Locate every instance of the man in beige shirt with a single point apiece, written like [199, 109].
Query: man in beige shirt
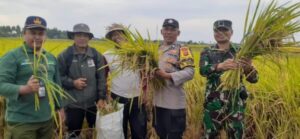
[169, 102]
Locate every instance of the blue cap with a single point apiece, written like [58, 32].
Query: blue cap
[35, 22]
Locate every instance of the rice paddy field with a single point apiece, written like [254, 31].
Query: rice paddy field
[273, 106]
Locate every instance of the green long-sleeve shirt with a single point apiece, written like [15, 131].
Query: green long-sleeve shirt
[15, 70]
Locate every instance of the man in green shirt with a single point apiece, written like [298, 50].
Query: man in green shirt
[19, 86]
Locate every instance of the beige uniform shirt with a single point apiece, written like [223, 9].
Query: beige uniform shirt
[172, 96]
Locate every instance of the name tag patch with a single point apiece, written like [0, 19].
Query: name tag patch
[91, 63]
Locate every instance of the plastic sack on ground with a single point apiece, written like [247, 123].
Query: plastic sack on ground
[109, 126]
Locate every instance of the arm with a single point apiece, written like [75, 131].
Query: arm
[182, 76]
[8, 71]
[207, 68]
[252, 77]
[101, 77]
[66, 81]
[57, 81]
[249, 71]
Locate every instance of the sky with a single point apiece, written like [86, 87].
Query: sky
[195, 17]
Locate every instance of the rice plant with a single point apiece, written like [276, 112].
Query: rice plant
[273, 107]
[273, 27]
[194, 108]
[54, 92]
[141, 56]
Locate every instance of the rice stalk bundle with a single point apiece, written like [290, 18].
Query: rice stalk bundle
[140, 55]
[54, 92]
[110, 107]
[270, 29]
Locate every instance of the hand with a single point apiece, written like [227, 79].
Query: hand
[246, 64]
[62, 114]
[163, 74]
[80, 83]
[32, 86]
[101, 103]
[146, 99]
[109, 98]
[228, 64]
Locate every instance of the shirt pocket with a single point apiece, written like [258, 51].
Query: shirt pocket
[51, 69]
[25, 69]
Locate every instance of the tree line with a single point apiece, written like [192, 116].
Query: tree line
[54, 33]
[16, 31]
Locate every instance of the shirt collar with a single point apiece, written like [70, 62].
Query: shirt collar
[89, 51]
[232, 47]
[31, 50]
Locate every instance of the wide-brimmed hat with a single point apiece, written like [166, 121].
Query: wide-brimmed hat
[80, 28]
[114, 27]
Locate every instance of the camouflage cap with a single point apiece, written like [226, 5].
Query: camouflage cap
[224, 23]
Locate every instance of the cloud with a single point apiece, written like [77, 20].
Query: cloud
[195, 16]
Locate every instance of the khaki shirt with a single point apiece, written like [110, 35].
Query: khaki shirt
[172, 96]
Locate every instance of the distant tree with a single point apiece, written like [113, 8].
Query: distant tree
[16, 31]
[189, 42]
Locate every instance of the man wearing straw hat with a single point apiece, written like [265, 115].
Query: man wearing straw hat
[19, 87]
[79, 68]
[176, 66]
[126, 88]
[222, 110]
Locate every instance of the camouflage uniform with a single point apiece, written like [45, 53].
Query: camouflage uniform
[221, 108]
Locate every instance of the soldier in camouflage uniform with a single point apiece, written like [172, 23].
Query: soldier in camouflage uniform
[224, 110]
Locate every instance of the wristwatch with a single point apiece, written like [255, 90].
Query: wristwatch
[213, 67]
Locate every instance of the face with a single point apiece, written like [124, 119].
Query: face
[35, 37]
[81, 40]
[170, 34]
[117, 36]
[222, 35]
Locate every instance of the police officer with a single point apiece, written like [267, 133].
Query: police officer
[18, 85]
[224, 109]
[176, 66]
[79, 68]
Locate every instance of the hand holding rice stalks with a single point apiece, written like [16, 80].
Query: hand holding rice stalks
[140, 55]
[271, 29]
[53, 91]
[110, 107]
